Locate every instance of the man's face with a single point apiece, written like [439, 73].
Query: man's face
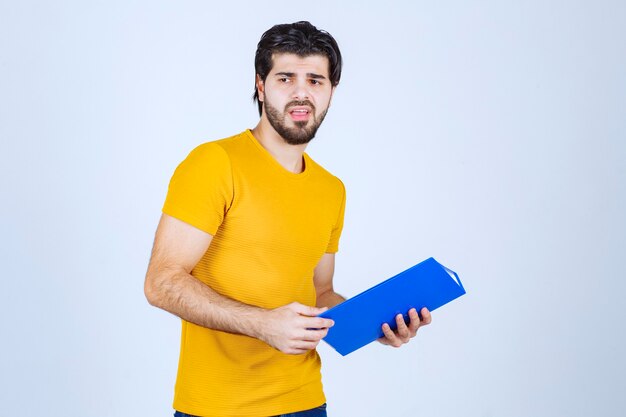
[296, 95]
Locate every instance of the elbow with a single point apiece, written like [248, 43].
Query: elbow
[150, 291]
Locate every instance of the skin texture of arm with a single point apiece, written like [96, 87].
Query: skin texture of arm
[323, 280]
[170, 286]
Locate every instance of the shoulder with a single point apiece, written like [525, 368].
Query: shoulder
[214, 152]
[215, 148]
[207, 151]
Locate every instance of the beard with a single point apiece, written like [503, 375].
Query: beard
[300, 134]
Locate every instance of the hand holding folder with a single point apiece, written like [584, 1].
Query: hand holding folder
[406, 329]
[359, 320]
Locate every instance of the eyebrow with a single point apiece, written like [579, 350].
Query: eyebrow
[308, 74]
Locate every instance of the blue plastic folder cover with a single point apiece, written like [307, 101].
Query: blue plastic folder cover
[358, 320]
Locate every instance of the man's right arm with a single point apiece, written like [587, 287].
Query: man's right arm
[169, 285]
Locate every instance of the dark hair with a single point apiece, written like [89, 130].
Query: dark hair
[300, 38]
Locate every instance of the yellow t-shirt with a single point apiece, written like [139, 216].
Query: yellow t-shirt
[270, 228]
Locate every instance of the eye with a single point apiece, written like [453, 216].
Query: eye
[283, 80]
[315, 82]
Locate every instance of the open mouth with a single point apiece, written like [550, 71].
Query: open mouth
[299, 113]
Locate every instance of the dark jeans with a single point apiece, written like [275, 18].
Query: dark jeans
[313, 412]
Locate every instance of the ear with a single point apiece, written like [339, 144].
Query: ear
[260, 87]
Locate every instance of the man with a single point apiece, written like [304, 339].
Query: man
[245, 249]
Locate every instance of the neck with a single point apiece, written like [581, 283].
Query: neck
[289, 156]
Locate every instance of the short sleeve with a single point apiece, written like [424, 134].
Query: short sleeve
[201, 189]
[333, 244]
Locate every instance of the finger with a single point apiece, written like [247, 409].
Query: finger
[426, 317]
[294, 351]
[391, 337]
[403, 332]
[415, 321]
[317, 322]
[314, 335]
[307, 310]
[304, 345]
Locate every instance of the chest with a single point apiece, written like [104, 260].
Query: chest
[294, 214]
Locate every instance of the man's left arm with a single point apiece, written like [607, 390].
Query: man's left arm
[323, 280]
[327, 297]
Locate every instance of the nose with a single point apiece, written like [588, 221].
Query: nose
[300, 90]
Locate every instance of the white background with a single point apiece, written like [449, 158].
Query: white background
[488, 134]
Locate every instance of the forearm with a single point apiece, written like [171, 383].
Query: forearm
[192, 300]
[293, 328]
[329, 299]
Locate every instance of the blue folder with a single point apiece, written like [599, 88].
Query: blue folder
[358, 320]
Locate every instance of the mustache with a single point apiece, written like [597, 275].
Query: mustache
[296, 103]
